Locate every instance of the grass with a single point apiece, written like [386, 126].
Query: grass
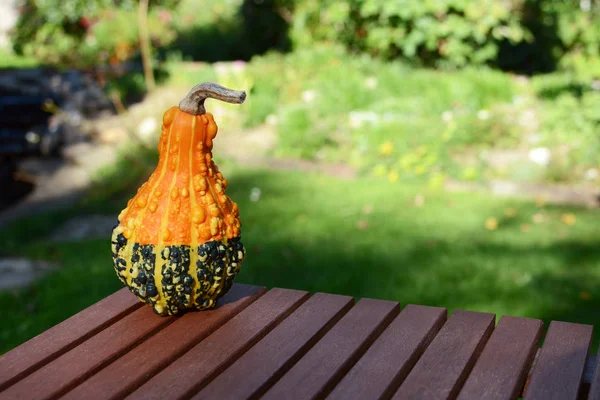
[9, 60]
[366, 238]
[386, 118]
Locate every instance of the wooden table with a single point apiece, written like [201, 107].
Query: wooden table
[287, 344]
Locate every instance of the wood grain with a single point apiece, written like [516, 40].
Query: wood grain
[192, 371]
[134, 368]
[388, 361]
[253, 373]
[68, 370]
[444, 366]
[502, 367]
[40, 350]
[558, 371]
[315, 374]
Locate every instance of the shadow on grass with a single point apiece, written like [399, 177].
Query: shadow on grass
[565, 87]
[407, 262]
[302, 234]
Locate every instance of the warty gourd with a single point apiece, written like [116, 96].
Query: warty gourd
[177, 244]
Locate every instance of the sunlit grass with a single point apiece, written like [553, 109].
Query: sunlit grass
[8, 59]
[366, 238]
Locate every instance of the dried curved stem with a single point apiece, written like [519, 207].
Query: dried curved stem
[193, 103]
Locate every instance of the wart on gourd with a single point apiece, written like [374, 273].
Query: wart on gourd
[177, 245]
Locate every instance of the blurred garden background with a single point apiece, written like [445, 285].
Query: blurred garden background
[431, 152]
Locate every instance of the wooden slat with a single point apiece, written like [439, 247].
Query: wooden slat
[188, 374]
[31, 355]
[132, 370]
[559, 368]
[594, 393]
[588, 377]
[502, 367]
[73, 367]
[253, 373]
[391, 357]
[444, 366]
[315, 374]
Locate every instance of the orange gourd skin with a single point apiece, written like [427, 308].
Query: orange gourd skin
[177, 245]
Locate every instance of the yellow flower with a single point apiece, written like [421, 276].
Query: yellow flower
[387, 148]
[524, 228]
[491, 223]
[393, 176]
[568, 219]
[510, 212]
[540, 201]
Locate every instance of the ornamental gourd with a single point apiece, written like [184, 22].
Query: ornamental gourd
[177, 245]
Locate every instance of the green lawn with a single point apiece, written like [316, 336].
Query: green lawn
[365, 238]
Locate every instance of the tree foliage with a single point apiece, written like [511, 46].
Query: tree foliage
[514, 34]
[82, 33]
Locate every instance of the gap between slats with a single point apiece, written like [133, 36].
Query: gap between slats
[448, 360]
[70, 369]
[387, 362]
[46, 347]
[134, 368]
[261, 366]
[591, 364]
[588, 375]
[194, 369]
[57, 378]
[586, 379]
[322, 367]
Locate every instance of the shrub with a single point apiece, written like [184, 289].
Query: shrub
[431, 32]
[526, 36]
[84, 33]
[569, 123]
[381, 117]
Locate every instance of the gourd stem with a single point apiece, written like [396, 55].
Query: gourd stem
[193, 103]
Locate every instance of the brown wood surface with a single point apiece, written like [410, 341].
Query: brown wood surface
[386, 363]
[134, 368]
[59, 339]
[445, 364]
[502, 367]
[288, 345]
[559, 368]
[60, 375]
[188, 374]
[315, 374]
[594, 393]
[253, 373]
